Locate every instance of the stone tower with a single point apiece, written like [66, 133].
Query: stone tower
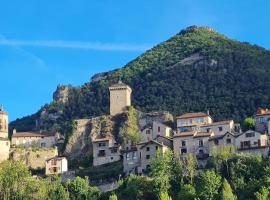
[4, 141]
[120, 98]
[3, 123]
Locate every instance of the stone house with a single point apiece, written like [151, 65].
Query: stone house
[56, 165]
[147, 152]
[34, 139]
[262, 120]
[151, 131]
[192, 142]
[138, 158]
[218, 141]
[105, 150]
[192, 121]
[219, 128]
[252, 142]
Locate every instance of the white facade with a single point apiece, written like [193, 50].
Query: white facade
[219, 128]
[56, 165]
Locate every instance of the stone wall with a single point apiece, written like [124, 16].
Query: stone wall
[33, 158]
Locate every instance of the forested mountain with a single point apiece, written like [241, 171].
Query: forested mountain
[198, 69]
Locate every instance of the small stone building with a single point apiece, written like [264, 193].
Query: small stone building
[56, 165]
[105, 150]
[34, 139]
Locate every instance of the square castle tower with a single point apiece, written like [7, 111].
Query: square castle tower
[120, 98]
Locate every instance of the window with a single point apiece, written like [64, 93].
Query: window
[147, 131]
[208, 130]
[183, 151]
[156, 147]
[228, 141]
[200, 143]
[220, 128]
[216, 142]
[250, 134]
[103, 144]
[158, 129]
[128, 156]
[183, 143]
[111, 158]
[134, 155]
[261, 120]
[190, 121]
[114, 150]
[101, 153]
[147, 157]
[43, 144]
[147, 148]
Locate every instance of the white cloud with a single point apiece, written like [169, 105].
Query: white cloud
[75, 45]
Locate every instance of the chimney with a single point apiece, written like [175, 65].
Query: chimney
[14, 131]
[208, 113]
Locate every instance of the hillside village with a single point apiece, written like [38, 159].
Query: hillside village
[192, 133]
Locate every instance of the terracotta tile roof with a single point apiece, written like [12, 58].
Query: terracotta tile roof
[184, 134]
[102, 139]
[192, 115]
[218, 123]
[33, 134]
[150, 142]
[56, 158]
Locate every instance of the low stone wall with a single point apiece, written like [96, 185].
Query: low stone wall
[33, 158]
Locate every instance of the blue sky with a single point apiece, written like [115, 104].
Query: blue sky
[46, 43]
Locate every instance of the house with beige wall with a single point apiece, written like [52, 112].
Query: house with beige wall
[219, 128]
[33, 139]
[155, 129]
[252, 142]
[192, 142]
[217, 142]
[262, 120]
[105, 150]
[56, 165]
[192, 121]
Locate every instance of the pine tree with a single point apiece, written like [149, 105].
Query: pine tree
[113, 197]
[227, 193]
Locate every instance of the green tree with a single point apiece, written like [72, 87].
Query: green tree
[226, 192]
[189, 164]
[208, 185]
[79, 189]
[249, 123]
[263, 194]
[113, 197]
[164, 196]
[187, 192]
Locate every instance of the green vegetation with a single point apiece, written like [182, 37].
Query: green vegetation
[249, 123]
[16, 182]
[129, 129]
[104, 172]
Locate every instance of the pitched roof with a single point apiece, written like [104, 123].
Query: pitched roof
[149, 142]
[218, 137]
[218, 123]
[56, 158]
[107, 138]
[184, 134]
[192, 115]
[33, 134]
[119, 84]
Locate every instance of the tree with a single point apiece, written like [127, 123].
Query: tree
[226, 192]
[113, 197]
[79, 189]
[189, 164]
[263, 194]
[208, 185]
[165, 196]
[249, 123]
[187, 192]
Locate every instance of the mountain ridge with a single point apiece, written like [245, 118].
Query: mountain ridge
[195, 70]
